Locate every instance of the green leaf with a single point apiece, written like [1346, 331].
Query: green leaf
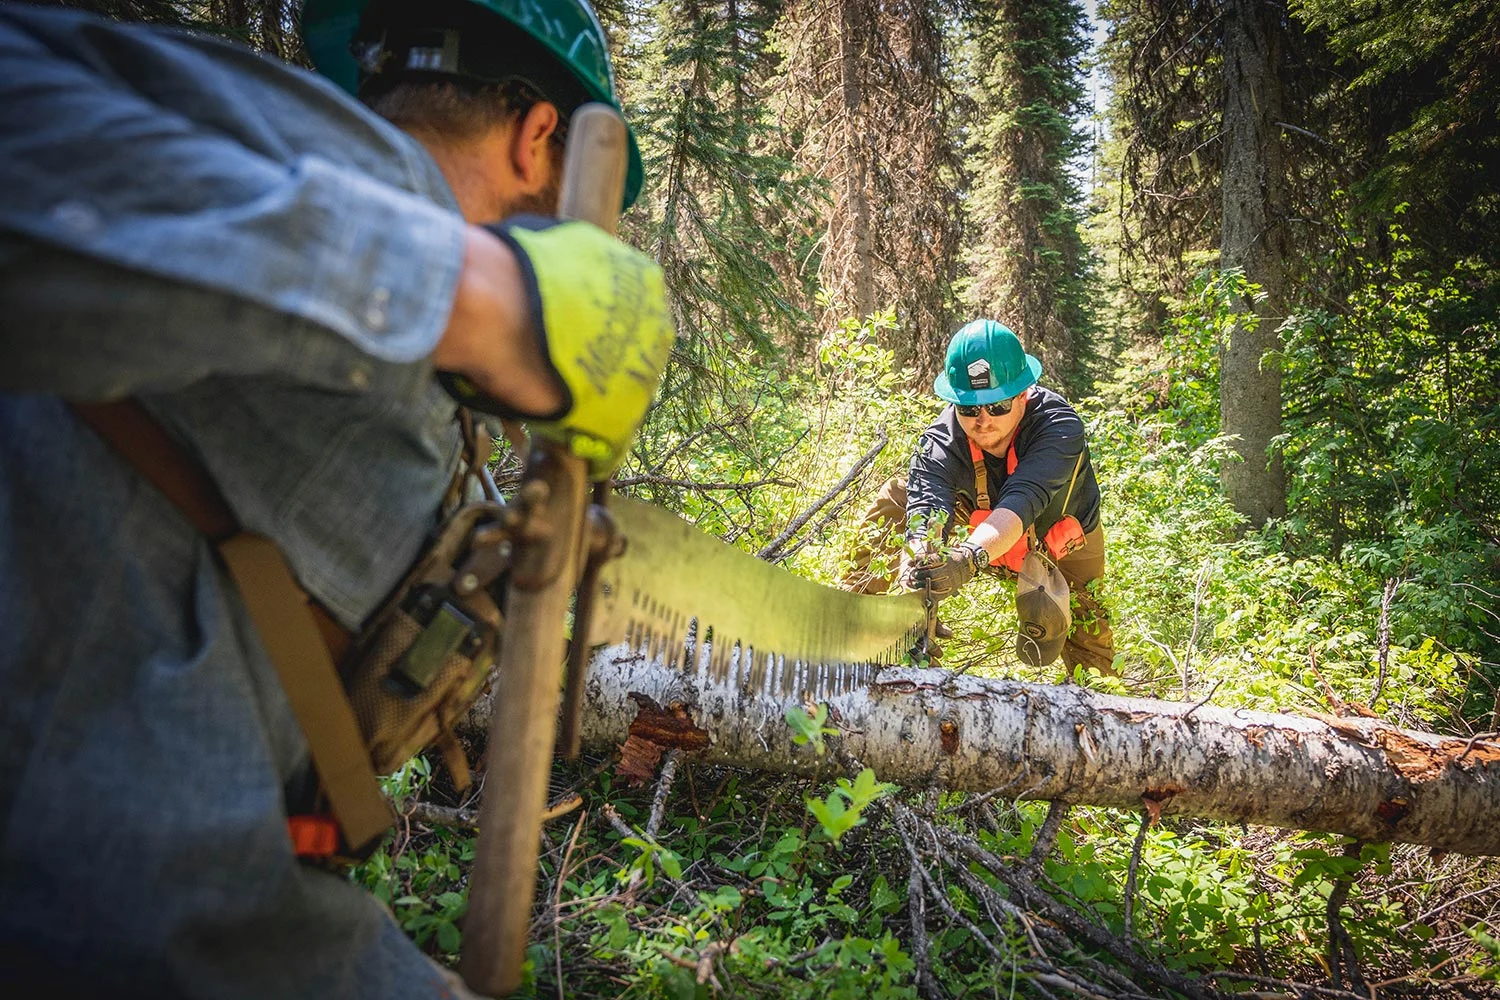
[882, 897]
[619, 932]
[681, 984]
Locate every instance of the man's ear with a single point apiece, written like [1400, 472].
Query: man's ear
[530, 148]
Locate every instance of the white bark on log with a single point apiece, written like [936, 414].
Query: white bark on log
[1354, 776]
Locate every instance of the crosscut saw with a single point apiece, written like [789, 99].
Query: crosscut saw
[657, 584]
[643, 576]
[697, 604]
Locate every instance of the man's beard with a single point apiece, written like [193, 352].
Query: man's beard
[544, 202]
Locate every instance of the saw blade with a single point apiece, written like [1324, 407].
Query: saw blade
[688, 599]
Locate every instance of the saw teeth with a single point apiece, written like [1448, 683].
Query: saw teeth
[672, 639]
[700, 607]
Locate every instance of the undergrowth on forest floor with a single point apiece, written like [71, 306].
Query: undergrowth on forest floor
[752, 885]
[758, 899]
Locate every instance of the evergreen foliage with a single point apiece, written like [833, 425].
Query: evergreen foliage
[719, 183]
[1025, 256]
[1420, 77]
[866, 96]
[268, 25]
[716, 184]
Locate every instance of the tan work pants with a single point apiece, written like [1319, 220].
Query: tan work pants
[881, 558]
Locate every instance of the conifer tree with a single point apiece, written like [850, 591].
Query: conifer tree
[1164, 59]
[1253, 241]
[715, 182]
[1420, 115]
[864, 88]
[1026, 257]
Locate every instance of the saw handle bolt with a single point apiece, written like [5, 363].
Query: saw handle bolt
[539, 562]
[490, 550]
[604, 539]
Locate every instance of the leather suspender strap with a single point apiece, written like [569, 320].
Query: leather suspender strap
[139, 439]
[283, 615]
[981, 478]
[279, 609]
[1071, 482]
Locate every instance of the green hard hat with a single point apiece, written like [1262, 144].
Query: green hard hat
[985, 364]
[565, 29]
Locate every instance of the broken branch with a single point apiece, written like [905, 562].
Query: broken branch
[772, 549]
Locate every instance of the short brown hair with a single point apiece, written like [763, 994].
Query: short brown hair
[455, 109]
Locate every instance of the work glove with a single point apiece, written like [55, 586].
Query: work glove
[600, 311]
[956, 568]
[917, 553]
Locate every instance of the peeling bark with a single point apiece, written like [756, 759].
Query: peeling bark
[653, 731]
[1354, 776]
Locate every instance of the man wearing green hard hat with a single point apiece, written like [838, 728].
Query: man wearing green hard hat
[1008, 460]
[242, 309]
[492, 50]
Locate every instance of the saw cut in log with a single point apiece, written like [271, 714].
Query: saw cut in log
[1354, 776]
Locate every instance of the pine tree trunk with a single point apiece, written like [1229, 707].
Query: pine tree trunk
[1027, 253]
[1253, 239]
[1353, 776]
[857, 208]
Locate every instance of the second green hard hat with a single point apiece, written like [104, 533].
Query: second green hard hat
[566, 30]
[985, 364]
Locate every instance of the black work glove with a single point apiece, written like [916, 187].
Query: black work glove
[957, 568]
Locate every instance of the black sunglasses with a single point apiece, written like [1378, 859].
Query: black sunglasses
[999, 409]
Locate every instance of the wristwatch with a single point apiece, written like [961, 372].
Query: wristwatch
[978, 557]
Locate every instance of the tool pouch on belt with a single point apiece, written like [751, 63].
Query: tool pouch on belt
[422, 659]
[1063, 537]
[408, 676]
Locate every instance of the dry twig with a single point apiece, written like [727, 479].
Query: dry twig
[1078, 927]
[1046, 836]
[704, 487]
[1384, 644]
[1202, 701]
[1135, 863]
[772, 551]
[663, 787]
[921, 947]
[1340, 945]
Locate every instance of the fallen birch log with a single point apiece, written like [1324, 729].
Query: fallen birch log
[1354, 776]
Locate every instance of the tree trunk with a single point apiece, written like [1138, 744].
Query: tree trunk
[863, 101]
[1027, 255]
[856, 209]
[1353, 776]
[1254, 240]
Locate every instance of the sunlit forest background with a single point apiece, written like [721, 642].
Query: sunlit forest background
[1256, 245]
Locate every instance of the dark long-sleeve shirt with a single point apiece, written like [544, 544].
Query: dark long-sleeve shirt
[1048, 442]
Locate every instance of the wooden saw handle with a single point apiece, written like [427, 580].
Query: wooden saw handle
[523, 727]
